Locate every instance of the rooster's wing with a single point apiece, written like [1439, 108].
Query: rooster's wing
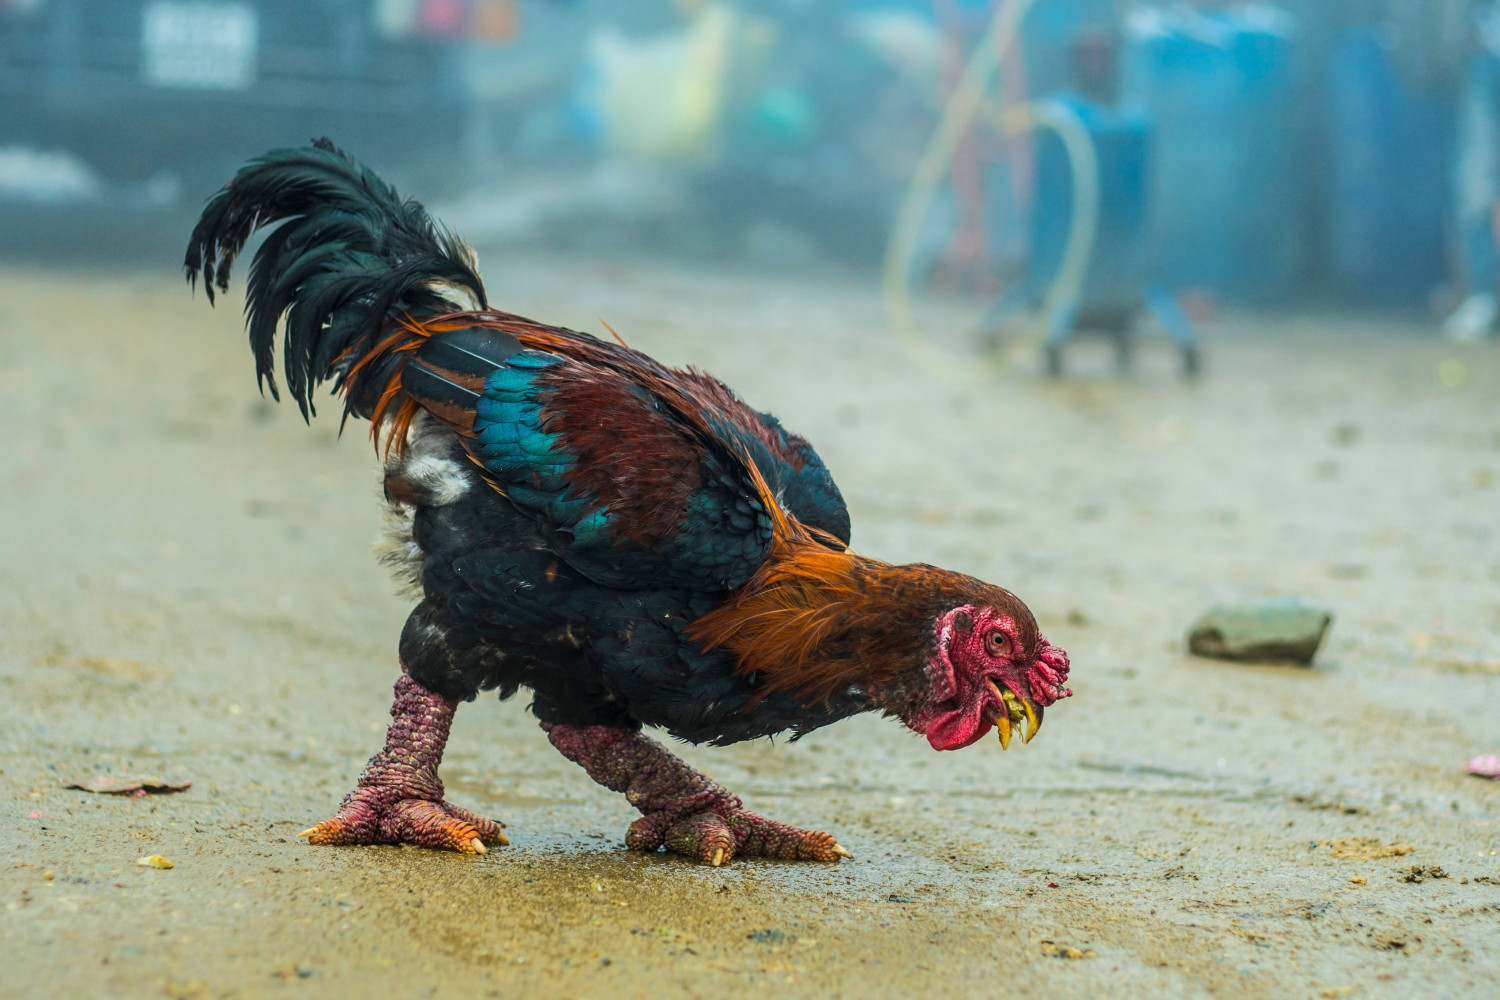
[638, 474]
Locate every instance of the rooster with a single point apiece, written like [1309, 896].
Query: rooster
[632, 543]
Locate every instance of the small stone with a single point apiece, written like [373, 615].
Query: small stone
[154, 861]
[1281, 631]
[294, 970]
[1421, 873]
[1056, 949]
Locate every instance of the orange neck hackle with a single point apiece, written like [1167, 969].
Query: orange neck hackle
[816, 617]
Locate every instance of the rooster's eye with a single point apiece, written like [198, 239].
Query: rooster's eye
[997, 644]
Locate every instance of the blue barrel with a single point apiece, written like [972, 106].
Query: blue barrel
[1116, 276]
[1219, 86]
[1391, 150]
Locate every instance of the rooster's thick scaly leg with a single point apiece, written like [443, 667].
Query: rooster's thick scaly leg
[399, 798]
[683, 810]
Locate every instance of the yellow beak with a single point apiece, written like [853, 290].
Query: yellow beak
[1033, 720]
[1015, 711]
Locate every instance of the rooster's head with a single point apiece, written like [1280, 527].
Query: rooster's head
[988, 666]
[948, 655]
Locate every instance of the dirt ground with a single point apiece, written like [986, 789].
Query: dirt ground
[187, 589]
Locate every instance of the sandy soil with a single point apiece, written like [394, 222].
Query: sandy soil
[186, 588]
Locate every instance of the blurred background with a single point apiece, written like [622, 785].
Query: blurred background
[1329, 152]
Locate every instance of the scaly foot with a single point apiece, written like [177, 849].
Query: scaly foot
[683, 810]
[399, 798]
[384, 815]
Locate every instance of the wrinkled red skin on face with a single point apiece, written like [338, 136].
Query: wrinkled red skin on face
[963, 705]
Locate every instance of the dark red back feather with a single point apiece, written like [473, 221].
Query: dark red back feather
[645, 485]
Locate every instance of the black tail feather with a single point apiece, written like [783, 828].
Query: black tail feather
[350, 259]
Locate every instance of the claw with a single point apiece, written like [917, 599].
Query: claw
[1033, 719]
[839, 850]
[308, 832]
[477, 846]
[718, 858]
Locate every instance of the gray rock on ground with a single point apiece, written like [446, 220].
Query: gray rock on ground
[1279, 631]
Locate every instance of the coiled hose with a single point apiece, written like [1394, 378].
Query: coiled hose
[962, 109]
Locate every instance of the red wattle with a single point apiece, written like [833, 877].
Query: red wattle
[958, 729]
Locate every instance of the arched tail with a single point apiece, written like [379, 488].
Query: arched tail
[350, 265]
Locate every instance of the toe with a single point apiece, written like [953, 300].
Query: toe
[814, 845]
[428, 824]
[769, 839]
[704, 837]
[324, 833]
[339, 831]
[456, 835]
[489, 831]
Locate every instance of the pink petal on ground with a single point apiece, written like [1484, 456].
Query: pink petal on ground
[1485, 767]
